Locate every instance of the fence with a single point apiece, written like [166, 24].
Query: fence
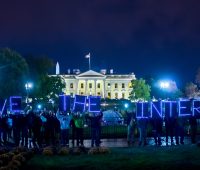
[118, 129]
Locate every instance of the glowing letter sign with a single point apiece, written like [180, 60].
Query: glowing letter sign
[94, 103]
[196, 108]
[156, 109]
[170, 108]
[64, 103]
[3, 106]
[184, 108]
[142, 110]
[15, 103]
[79, 103]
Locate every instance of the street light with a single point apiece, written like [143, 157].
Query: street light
[28, 86]
[126, 105]
[39, 106]
[165, 86]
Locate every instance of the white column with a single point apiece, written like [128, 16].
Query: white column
[86, 83]
[104, 90]
[95, 87]
[77, 89]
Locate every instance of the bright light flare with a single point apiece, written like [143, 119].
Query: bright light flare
[164, 85]
[28, 85]
[126, 105]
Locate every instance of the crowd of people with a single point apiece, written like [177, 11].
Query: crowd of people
[173, 128]
[44, 128]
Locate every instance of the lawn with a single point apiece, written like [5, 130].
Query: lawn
[150, 157]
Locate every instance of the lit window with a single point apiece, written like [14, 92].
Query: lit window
[71, 85]
[109, 95]
[116, 85]
[90, 85]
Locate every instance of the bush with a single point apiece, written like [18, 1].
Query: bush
[47, 151]
[100, 150]
[64, 151]
[76, 151]
[19, 158]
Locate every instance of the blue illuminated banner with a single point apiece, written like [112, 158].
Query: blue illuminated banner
[3, 106]
[94, 103]
[168, 109]
[156, 109]
[79, 103]
[15, 104]
[64, 103]
[184, 108]
[142, 110]
[196, 108]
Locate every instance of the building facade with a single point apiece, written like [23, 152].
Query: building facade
[98, 84]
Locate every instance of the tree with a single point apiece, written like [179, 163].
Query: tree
[191, 90]
[50, 87]
[140, 91]
[197, 79]
[47, 88]
[175, 94]
[172, 92]
[13, 73]
[158, 92]
[40, 65]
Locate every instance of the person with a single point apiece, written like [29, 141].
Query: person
[180, 123]
[64, 119]
[193, 128]
[95, 123]
[24, 128]
[3, 129]
[43, 131]
[79, 125]
[142, 126]
[56, 128]
[131, 122]
[37, 135]
[169, 128]
[157, 130]
[73, 127]
[49, 128]
[29, 121]
[10, 126]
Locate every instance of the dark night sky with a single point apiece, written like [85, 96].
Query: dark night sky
[159, 38]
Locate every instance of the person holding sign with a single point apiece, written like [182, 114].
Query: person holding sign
[64, 119]
[132, 125]
[79, 125]
[95, 123]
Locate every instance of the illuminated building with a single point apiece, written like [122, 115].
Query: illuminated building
[106, 85]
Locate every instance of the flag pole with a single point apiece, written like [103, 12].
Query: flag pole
[88, 56]
[89, 62]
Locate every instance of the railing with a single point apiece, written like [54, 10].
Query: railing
[116, 129]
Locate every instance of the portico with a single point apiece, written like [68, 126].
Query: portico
[111, 86]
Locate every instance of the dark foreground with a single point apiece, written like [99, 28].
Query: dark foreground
[149, 157]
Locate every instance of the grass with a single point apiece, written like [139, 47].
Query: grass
[150, 157]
